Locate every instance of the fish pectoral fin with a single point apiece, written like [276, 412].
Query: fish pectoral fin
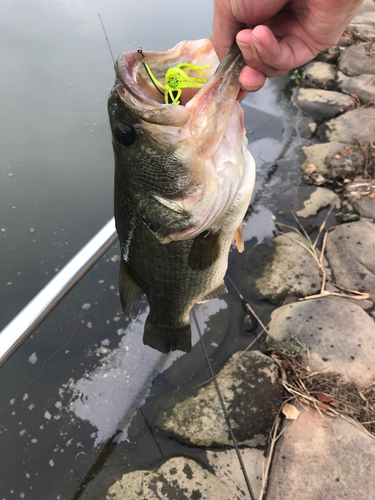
[166, 339]
[239, 239]
[130, 293]
[220, 290]
[205, 250]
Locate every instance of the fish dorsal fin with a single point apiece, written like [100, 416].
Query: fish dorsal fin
[205, 250]
[220, 290]
[130, 293]
[239, 238]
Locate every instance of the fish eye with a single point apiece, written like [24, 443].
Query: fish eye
[125, 135]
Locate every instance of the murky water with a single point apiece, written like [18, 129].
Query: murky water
[82, 376]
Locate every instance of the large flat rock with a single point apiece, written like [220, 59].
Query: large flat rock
[181, 478]
[334, 159]
[355, 125]
[358, 59]
[351, 255]
[178, 478]
[280, 268]
[322, 458]
[252, 393]
[330, 333]
[321, 104]
[363, 86]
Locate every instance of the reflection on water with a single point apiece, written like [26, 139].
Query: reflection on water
[67, 388]
[109, 396]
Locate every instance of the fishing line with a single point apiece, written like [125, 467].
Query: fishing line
[105, 34]
[58, 350]
[224, 409]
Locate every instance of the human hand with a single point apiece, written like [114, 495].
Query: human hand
[276, 36]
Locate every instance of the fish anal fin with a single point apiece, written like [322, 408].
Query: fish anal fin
[166, 339]
[205, 250]
[220, 290]
[130, 293]
[239, 239]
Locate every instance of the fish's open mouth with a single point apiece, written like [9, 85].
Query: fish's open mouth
[132, 72]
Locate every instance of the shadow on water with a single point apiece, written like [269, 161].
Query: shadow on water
[79, 396]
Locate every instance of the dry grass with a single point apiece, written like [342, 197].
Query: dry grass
[326, 392]
[311, 247]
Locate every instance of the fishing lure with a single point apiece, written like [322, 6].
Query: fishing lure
[177, 79]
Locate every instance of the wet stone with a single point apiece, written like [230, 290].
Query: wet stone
[252, 392]
[355, 125]
[320, 74]
[319, 199]
[363, 86]
[330, 333]
[338, 463]
[178, 478]
[365, 207]
[321, 104]
[329, 55]
[280, 268]
[228, 470]
[350, 251]
[305, 126]
[358, 59]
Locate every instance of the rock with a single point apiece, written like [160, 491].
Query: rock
[318, 155]
[321, 104]
[350, 251]
[253, 395]
[228, 470]
[330, 334]
[305, 126]
[363, 86]
[365, 206]
[319, 199]
[185, 479]
[281, 268]
[355, 125]
[178, 478]
[333, 159]
[364, 21]
[320, 74]
[322, 458]
[358, 59]
[329, 55]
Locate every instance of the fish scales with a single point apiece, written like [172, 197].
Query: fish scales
[183, 182]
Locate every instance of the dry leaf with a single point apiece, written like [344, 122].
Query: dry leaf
[290, 411]
[310, 168]
[322, 396]
[372, 196]
[346, 152]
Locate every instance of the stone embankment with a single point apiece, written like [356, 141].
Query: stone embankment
[303, 411]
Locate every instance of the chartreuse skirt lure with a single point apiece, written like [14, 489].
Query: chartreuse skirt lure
[177, 79]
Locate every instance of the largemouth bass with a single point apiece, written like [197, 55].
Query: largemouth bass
[183, 182]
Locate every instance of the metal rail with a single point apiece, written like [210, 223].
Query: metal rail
[17, 331]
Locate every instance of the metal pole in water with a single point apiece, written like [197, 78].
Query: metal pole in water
[17, 331]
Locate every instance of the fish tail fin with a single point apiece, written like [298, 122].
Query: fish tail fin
[166, 339]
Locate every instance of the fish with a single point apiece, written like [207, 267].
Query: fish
[183, 183]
